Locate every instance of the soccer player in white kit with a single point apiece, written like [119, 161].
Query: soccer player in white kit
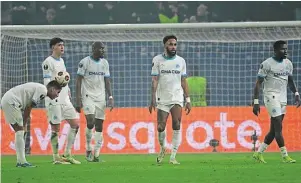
[276, 73]
[60, 108]
[23, 98]
[93, 81]
[169, 87]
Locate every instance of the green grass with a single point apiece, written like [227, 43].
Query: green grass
[198, 168]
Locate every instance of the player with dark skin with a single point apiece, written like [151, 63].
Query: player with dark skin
[280, 51]
[170, 51]
[98, 52]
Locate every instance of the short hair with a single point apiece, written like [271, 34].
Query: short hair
[278, 43]
[166, 38]
[54, 84]
[54, 41]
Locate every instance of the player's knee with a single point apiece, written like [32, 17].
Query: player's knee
[90, 126]
[278, 135]
[161, 127]
[74, 123]
[98, 125]
[55, 128]
[176, 124]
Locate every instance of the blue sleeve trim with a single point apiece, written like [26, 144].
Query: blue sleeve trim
[154, 74]
[107, 76]
[184, 74]
[261, 76]
[46, 76]
[80, 74]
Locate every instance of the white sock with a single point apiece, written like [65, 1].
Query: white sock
[161, 138]
[283, 151]
[98, 143]
[20, 146]
[70, 140]
[88, 139]
[262, 147]
[175, 143]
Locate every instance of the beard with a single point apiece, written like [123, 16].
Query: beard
[171, 53]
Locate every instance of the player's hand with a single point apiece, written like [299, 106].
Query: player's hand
[256, 109]
[297, 99]
[77, 108]
[152, 106]
[111, 104]
[187, 108]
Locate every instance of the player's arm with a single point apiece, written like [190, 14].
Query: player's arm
[184, 85]
[154, 87]
[47, 73]
[108, 86]
[107, 80]
[155, 80]
[258, 83]
[27, 112]
[80, 76]
[78, 91]
[34, 102]
[291, 83]
[292, 86]
[262, 73]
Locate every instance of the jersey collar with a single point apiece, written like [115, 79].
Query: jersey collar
[168, 58]
[277, 60]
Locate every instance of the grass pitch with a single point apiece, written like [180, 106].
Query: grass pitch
[194, 168]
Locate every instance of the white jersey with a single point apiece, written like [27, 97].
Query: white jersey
[170, 72]
[26, 94]
[93, 72]
[51, 66]
[275, 74]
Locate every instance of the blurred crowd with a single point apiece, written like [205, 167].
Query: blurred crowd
[85, 12]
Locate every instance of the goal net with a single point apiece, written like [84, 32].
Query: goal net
[224, 57]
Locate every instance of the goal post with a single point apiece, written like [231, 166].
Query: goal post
[225, 55]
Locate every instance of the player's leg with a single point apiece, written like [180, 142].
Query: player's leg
[99, 119]
[89, 133]
[278, 135]
[274, 109]
[162, 115]
[267, 141]
[176, 114]
[89, 111]
[268, 138]
[13, 116]
[72, 117]
[54, 119]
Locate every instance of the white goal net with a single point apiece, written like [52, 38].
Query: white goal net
[227, 55]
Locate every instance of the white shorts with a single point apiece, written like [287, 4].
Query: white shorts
[94, 107]
[57, 113]
[12, 111]
[167, 107]
[274, 106]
